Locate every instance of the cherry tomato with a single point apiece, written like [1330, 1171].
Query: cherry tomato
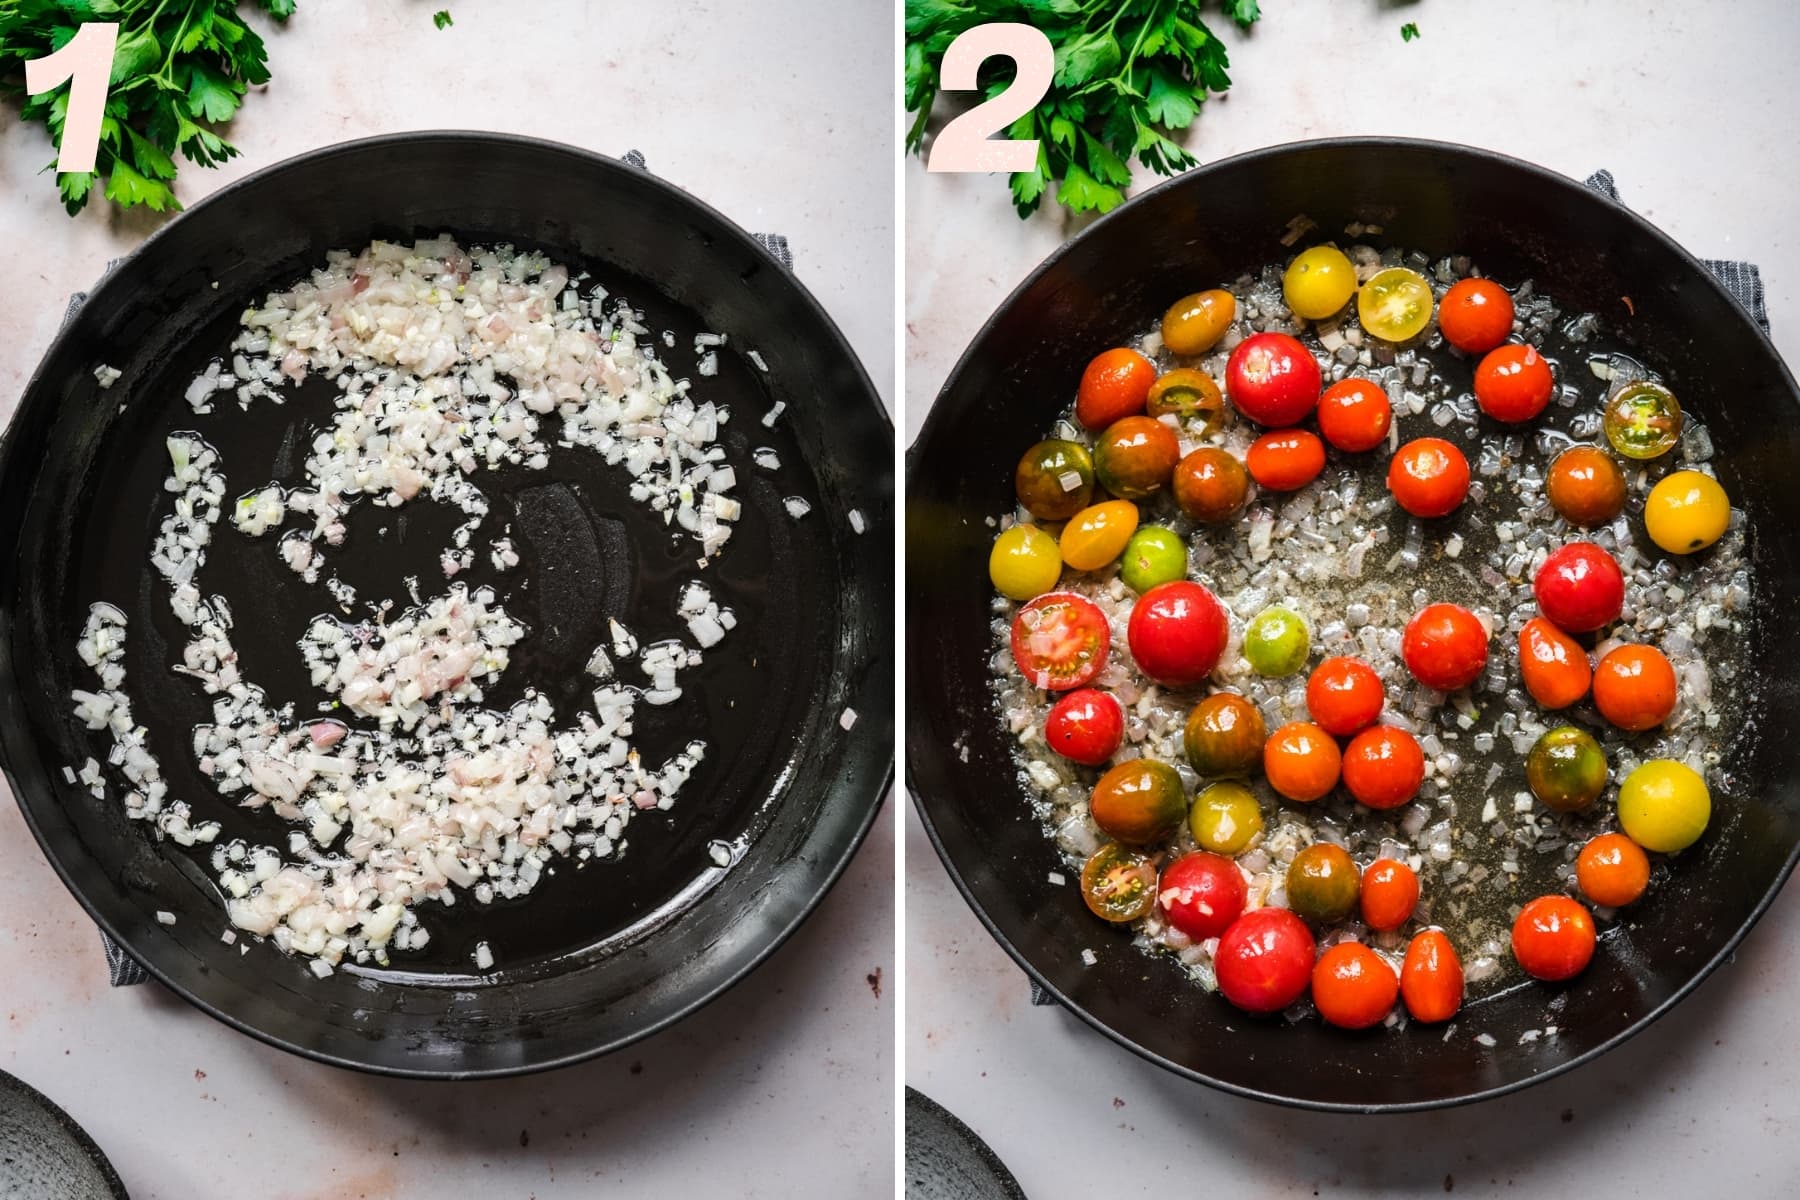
[1224, 735]
[1353, 986]
[1301, 761]
[1513, 383]
[1634, 687]
[1383, 766]
[1394, 304]
[1431, 978]
[1060, 641]
[1201, 894]
[1272, 379]
[1114, 386]
[1664, 806]
[1553, 664]
[1138, 802]
[1445, 647]
[1390, 892]
[1322, 883]
[1612, 871]
[1177, 633]
[1354, 415]
[1085, 726]
[1344, 695]
[1210, 485]
[1277, 641]
[1566, 769]
[1475, 315]
[1055, 479]
[1135, 457]
[1194, 324]
[1155, 554]
[1265, 960]
[1641, 419]
[1285, 460]
[1686, 511]
[1318, 283]
[1429, 477]
[1580, 587]
[1118, 883]
[1098, 534]
[1586, 486]
[1024, 562]
[1187, 394]
[1553, 938]
[1225, 818]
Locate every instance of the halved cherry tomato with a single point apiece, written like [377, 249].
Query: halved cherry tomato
[1431, 978]
[1060, 641]
[1301, 761]
[1085, 726]
[1586, 486]
[1177, 632]
[1139, 802]
[1580, 587]
[1390, 892]
[1265, 960]
[1513, 383]
[1445, 647]
[1202, 894]
[1394, 304]
[1118, 883]
[1186, 394]
[1135, 457]
[1354, 415]
[1344, 695]
[1612, 870]
[1553, 938]
[1115, 385]
[1285, 460]
[1429, 477]
[1383, 766]
[1210, 485]
[1272, 379]
[1475, 315]
[1353, 986]
[1553, 664]
[1634, 687]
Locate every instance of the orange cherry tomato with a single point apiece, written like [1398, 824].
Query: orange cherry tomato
[1475, 315]
[1286, 460]
[1354, 415]
[1634, 687]
[1344, 695]
[1115, 385]
[1301, 761]
[1383, 766]
[1429, 477]
[1390, 892]
[1553, 938]
[1554, 665]
[1431, 978]
[1353, 987]
[1586, 486]
[1612, 870]
[1513, 383]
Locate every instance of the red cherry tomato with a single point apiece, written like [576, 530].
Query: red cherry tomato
[1513, 383]
[1553, 938]
[1265, 960]
[1272, 379]
[1383, 766]
[1202, 894]
[1354, 415]
[1580, 588]
[1353, 987]
[1390, 892]
[1344, 695]
[1115, 385]
[1285, 460]
[1429, 477]
[1445, 647]
[1060, 641]
[1476, 315]
[1085, 726]
[1431, 978]
[1553, 664]
[1177, 632]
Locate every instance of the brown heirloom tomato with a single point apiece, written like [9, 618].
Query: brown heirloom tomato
[1586, 486]
[1322, 883]
[1139, 802]
[1135, 457]
[1210, 485]
[1224, 735]
[1055, 479]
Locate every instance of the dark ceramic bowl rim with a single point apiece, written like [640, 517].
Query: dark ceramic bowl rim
[70, 1126]
[933, 1111]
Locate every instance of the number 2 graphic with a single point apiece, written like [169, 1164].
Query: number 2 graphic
[965, 144]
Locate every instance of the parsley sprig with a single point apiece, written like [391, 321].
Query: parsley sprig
[180, 70]
[1128, 74]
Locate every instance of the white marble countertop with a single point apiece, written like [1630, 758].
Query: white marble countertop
[1683, 103]
[783, 1087]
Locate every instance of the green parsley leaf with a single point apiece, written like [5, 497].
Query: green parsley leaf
[1408, 32]
[441, 18]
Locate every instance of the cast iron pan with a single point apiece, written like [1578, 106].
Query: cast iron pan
[597, 956]
[1113, 280]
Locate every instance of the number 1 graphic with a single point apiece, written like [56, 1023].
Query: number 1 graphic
[86, 64]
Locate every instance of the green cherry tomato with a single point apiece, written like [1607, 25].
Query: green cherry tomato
[1118, 883]
[1642, 420]
[1277, 641]
[1025, 562]
[1323, 883]
[1055, 479]
[1566, 769]
[1154, 555]
[1224, 735]
[1225, 818]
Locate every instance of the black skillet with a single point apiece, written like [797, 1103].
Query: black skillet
[1113, 280]
[597, 956]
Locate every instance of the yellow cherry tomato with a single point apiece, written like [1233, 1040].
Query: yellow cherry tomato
[1318, 283]
[1097, 534]
[1687, 511]
[1225, 817]
[1024, 562]
[1194, 324]
[1664, 806]
[1395, 304]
